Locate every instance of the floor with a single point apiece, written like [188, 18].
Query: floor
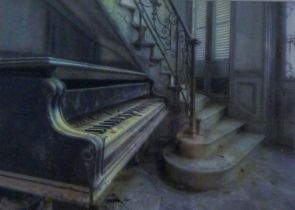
[268, 182]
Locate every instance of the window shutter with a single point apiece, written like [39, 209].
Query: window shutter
[222, 29]
[201, 27]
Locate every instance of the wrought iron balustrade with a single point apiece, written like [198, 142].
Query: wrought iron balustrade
[176, 45]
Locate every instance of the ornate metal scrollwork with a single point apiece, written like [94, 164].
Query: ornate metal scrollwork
[174, 41]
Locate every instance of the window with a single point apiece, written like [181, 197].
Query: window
[219, 27]
[222, 30]
[200, 26]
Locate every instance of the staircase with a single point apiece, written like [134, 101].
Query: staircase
[216, 155]
[165, 49]
[134, 30]
[152, 37]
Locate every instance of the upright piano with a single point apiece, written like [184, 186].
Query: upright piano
[67, 128]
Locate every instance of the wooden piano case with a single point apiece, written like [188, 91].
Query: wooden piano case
[41, 152]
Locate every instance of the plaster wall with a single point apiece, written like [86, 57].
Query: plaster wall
[55, 28]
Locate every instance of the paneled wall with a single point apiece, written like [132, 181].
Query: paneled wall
[75, 31]
[286, 82]
[253, 64]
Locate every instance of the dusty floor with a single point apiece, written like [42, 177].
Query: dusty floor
[268, 183]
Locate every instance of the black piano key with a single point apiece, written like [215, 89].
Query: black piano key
[103, 127]
[102, 130]
[125, 116]
[95, 130]
[116, 121]
[137, 110]
[129, 112]
[108, 124]
[112, 121]
[120, 119]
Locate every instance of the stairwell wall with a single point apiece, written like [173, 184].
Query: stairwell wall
[52, 28]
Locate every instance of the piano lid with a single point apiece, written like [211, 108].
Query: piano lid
[65, 69]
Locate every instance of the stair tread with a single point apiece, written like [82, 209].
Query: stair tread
[156, 60]
[144, 44]
[222, 128]
[200, 96]
[232, 155]
[138, 26]
[209, 111]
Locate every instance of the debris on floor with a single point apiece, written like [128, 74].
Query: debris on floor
[269, 184]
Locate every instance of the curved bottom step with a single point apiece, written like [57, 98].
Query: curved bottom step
[211, 172]
[216, 138]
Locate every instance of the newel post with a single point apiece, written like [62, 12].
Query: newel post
[192, 119]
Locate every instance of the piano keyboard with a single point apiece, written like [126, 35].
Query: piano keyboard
[118, 121]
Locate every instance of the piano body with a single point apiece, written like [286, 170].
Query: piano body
[67, 128]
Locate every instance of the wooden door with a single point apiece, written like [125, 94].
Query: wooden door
[252, 65]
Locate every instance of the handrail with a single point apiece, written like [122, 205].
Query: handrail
[176, 45]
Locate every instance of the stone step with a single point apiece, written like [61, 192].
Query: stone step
[224, 128]
[214, 171]
[209, 116]
[201, 101]
[129, 4]
[156, 56]
[149, 36]
[214, 138]
[139, 27]
[155, 60]
[144, 44]
[144, 50]
[139, 34]
[136, 18]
